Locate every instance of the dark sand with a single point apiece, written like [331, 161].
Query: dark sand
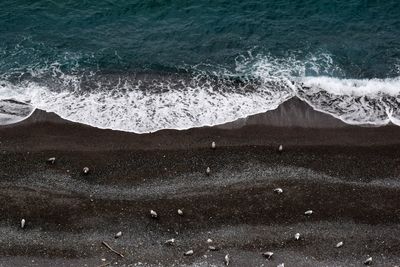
[349, 176]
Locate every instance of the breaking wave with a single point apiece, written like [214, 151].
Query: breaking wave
[201, 95]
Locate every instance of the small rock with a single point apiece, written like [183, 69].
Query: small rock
[227, 260]
[278, 190]
[340, 244]
[268, 254]
[180, 212]
[51, 160]
[103, 260]
[188, 253]
[297, 236]
[170, 241]
[212, 248]
[118, 235]
[208, 171]
[368, 261]
[209, 240]
[213, 145]
[281, 265]
[153, 214]
[23, 223]
[308, 212]
[86, 170]
[280, 148]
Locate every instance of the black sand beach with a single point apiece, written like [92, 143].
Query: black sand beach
[348, 175]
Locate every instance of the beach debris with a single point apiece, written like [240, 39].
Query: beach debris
[268, 254]
[209, 240]
[227, 260]
[278, 190]
[208, 171]
[51, 160]
[23, 223]
[340, 244]
[297, 236]
[153, 214]
[118, 235]
[308, 212]
[213, 145]
[180, 212]
[281, 265]
[212, 248]
[111, 249]
[86, 170]
[368, 261]
[280, 148]
[170, 241]
[188, 253]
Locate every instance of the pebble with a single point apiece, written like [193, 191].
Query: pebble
[212, 248]
[170, 241]
[208, 171]
[268, 254]
[280, 149]
[180, 212]
[278, 190]
[22, 223]
[188, 253]
[297, 236]
[209, 240]
[86, 170]
[368, 261]
[308, 212]
[213, 145]
[153, 214]
[340, 244]
[118, 235]
[51, 160]
[227, 260]
[281, 265]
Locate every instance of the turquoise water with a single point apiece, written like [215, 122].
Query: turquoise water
[363, 37]
[147, 56]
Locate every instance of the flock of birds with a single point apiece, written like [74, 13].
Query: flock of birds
[227, 260]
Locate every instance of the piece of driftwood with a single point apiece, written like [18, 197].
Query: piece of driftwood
[111, 249]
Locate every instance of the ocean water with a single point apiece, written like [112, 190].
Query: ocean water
[142, 66]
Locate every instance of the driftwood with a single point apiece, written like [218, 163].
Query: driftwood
[111, 249]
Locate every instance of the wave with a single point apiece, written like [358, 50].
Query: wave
[200, 95]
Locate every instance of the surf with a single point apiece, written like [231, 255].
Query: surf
[201, 95]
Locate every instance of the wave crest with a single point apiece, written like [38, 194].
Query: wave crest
[204, 95]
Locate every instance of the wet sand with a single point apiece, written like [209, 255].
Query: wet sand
[349, 176]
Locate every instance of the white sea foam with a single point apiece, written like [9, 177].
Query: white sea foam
[138, 111]
[363, 101]
[355, 87]
[176, 102]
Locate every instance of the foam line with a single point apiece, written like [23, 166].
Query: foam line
[147, 103]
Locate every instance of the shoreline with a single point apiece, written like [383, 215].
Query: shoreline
[348, 175]
[293, 123]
